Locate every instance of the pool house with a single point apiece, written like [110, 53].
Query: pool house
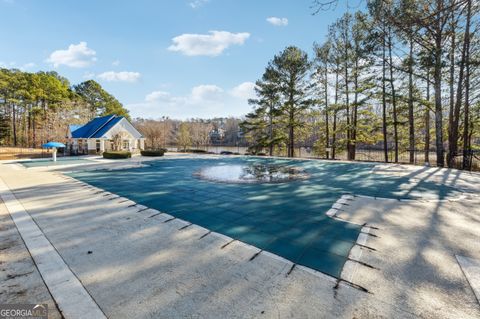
[104, 133]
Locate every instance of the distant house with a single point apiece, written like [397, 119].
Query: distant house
[104, 133]
[217, 135]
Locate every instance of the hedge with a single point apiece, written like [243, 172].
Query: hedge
[190, 150]
[117, 154]
[256, 154]
[152, 152]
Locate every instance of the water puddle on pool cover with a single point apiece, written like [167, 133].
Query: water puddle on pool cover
[254, 173]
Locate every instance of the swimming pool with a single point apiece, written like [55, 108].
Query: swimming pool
[286, 218]
[49, 162]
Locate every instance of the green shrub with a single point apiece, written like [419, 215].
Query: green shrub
[190, 150]
[117, 154]
[159, 152]
[196, 151]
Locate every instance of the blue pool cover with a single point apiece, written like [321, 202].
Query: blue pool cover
[48, 162]
[287, 219]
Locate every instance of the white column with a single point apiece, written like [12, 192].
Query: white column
[54, 154]
[102, 145]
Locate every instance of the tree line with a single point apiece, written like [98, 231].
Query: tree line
[197, 133]
[37, 107]
[400, 74]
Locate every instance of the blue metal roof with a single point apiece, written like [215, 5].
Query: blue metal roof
[74, 127]
[103, 130]
[93, 127]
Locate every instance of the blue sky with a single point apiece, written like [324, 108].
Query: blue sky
[177, 58]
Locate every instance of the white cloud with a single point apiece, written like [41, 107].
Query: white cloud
[76, 56]
[212, 44]
[199, 94]
[124, 76]
[116, 63]
[279, 22]
[88, 75]
[13, 65]
[197, 3]
[203, 101]
[7, 65]
[206, 92]
[27, 66]
[156, 96]
[245, 90]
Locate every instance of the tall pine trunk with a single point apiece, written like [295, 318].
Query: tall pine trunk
[347, 93]
[291, 150]
[394, 101]
[452, 123]
[384, 101]
[270, 131]
[454, 129]
[427, 121]
[14, 124]
[466, 121]
[354, 113]
[335, 111]
[411, 123]
[29, 128]
[437, 86]
[347, 105]
[327, 132]
[34, 131]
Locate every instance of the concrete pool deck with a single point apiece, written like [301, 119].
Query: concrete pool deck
[133, 264]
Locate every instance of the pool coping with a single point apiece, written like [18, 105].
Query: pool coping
[345, 279]
[471, 270]
[354, 255]
[71, 297]
[343, 200]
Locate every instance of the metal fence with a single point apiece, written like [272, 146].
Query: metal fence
[13, 153]
[420, 157]
[363, 153]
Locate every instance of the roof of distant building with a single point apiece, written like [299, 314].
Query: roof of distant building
[96, 128]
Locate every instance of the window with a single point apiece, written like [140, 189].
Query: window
[126, 144]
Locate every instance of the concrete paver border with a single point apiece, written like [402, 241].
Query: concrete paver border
[471, 269]
[343, 200]
[71, 297]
